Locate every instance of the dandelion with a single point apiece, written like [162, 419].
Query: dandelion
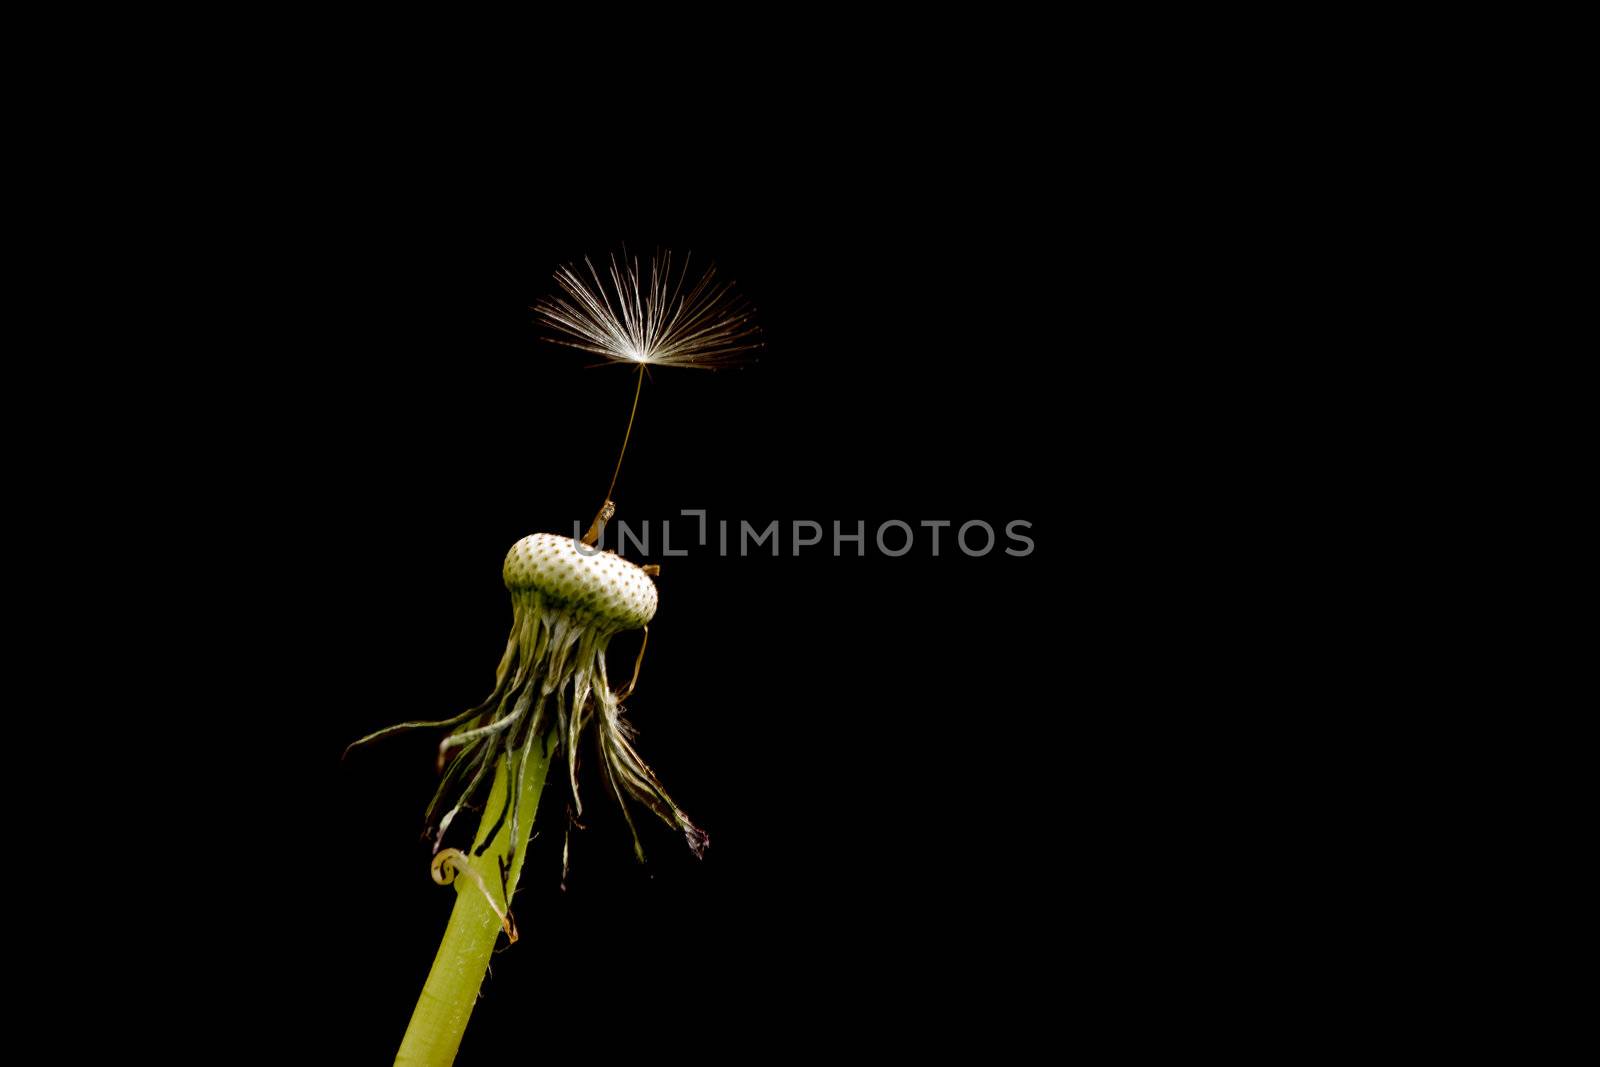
[552, 694]
[552, 687]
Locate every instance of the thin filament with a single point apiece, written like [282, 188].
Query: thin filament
[629, 433]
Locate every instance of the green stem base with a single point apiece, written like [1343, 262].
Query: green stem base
[451, 991]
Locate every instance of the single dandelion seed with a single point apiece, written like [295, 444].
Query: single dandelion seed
[669, 317]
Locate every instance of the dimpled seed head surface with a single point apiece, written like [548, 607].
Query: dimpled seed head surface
[591, 580]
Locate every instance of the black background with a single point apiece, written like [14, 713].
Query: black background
[914, 800]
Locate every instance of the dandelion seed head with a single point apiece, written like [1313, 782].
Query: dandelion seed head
[665, 314]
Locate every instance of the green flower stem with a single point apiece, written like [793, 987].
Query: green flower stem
[452, 988]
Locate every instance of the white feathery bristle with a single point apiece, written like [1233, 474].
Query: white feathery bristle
[665, 319]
